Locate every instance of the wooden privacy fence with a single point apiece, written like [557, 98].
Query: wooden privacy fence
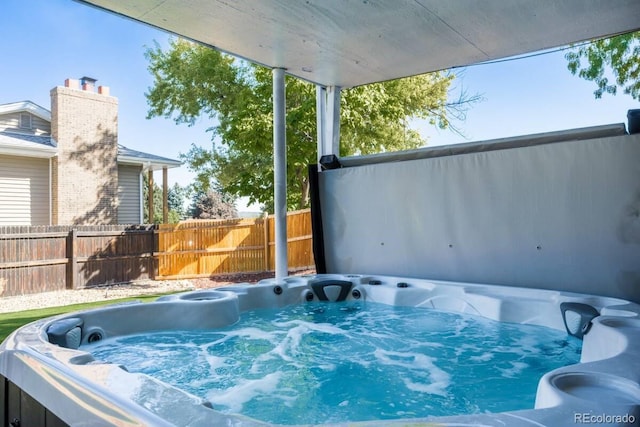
[49, 258]
[203, 248]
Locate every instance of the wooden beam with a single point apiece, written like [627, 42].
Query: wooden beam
[34, 263]
[165, 195]
[150, 196]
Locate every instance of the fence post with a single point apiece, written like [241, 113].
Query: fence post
[154, 249]
[72, 257]
[265, 222]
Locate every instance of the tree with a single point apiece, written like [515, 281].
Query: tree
[212, 205]
[192, 80]
[176, 197]
[620, 54]
[175, 201]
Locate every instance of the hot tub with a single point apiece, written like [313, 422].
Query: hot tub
[45, 366]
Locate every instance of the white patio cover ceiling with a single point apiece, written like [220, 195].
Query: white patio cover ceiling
[353, 42]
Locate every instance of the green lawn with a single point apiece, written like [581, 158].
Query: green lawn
[9, 322]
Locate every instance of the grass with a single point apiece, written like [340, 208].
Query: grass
[9, 322]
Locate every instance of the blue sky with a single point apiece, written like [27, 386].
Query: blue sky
[531, 95]
[47, 41]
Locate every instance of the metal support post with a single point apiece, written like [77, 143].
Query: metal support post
[328, 120]
[280, 173]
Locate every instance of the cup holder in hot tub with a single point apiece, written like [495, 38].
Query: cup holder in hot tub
[203, 296]
[598, 387]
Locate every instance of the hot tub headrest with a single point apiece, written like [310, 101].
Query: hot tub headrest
[66, 332]
[577, 317]
[331, 289]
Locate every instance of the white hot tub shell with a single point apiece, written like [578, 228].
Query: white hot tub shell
[603, 388]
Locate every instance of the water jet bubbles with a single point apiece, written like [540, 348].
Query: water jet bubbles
[351, 308]
[316, 310]
[351, 361]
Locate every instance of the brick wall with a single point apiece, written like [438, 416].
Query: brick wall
[85, 126]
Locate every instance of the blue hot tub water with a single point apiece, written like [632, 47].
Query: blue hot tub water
[352, 361]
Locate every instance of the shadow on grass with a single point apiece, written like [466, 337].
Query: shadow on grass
[9, 322]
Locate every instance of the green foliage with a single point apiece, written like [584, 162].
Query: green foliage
[620, 54]
[176, 197]
[192, 80]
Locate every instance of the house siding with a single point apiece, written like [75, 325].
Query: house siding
[11, 122]
[129, 194]
[24, 191]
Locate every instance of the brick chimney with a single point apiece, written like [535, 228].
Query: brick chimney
[85, 174]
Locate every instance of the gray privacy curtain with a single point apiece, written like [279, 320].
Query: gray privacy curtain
[562, 215]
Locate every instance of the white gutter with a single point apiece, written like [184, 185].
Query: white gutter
[328, 119]
[146, 163]
[43, 152]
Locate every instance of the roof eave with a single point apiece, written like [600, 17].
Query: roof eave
[148, 163]
[44, 152]
[26, 106]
